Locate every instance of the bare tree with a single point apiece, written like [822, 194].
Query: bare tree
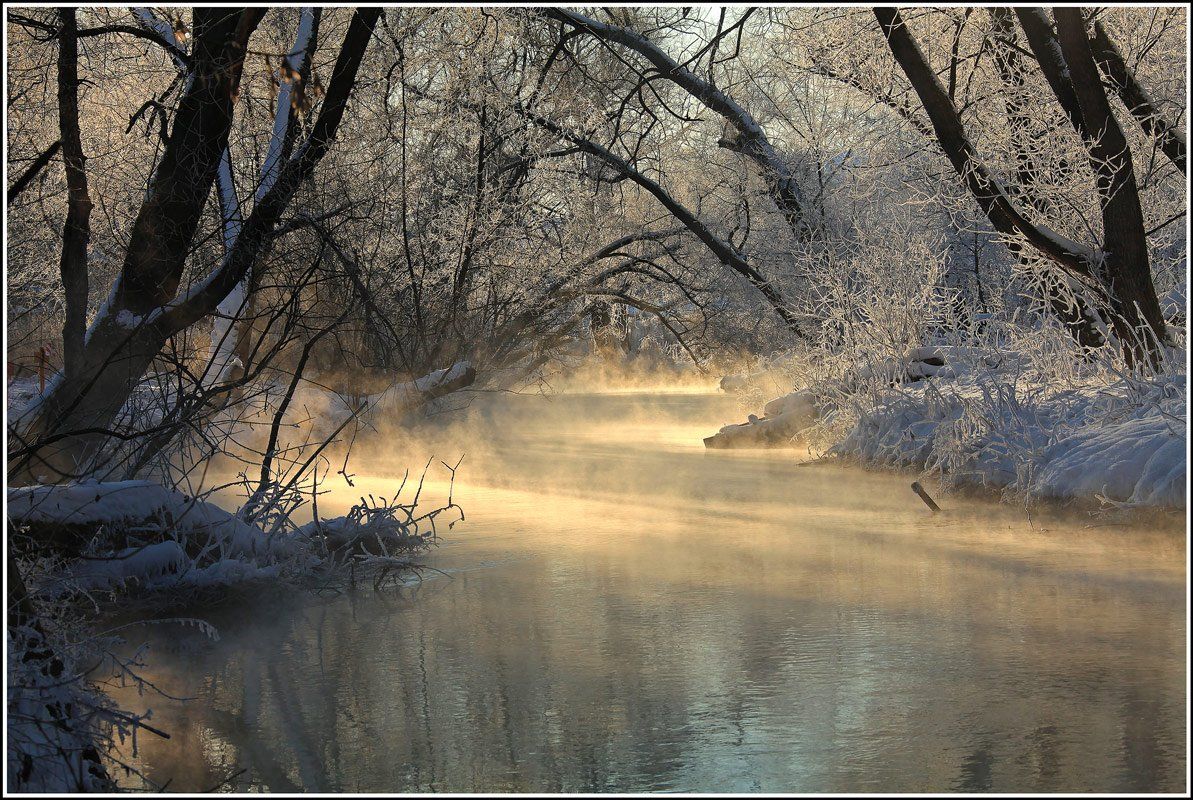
[1118, 272]
[143, 310]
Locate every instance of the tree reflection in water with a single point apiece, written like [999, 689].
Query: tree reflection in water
[623, 611]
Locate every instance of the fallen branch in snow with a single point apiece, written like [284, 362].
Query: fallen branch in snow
[785, 418]
[788, 416]
[406, 396]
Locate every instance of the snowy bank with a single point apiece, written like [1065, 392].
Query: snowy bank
[124, 534]
[1139, 462]
[983, 418]
[75, 546]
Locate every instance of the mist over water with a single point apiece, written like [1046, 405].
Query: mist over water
[625, 610]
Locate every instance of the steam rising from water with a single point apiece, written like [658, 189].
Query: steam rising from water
[624, 610]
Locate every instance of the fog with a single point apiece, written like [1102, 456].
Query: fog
[623, 608]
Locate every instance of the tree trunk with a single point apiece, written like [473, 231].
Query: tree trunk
[77, 230]
[950, 133]
[1042, 40]
[1118, 275]
[168, 218]
[1125, 268]
[1168, 137]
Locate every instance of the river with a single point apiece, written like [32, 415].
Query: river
[623, 610]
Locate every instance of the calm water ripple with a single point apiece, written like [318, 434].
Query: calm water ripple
[626, 611]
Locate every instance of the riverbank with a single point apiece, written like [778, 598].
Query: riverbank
[976, 418]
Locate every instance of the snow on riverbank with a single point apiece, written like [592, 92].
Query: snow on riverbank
[84, 548]
[83, 543]
[140, 535]
[984, 418]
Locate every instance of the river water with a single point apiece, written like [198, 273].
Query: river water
[623, 610]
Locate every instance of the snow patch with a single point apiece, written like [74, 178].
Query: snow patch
[1139, 461]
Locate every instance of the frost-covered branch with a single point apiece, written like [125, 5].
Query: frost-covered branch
[725, 252]
[1169, 137]
[751, 140]
[224, 339]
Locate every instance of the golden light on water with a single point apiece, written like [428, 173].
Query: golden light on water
[624, 608]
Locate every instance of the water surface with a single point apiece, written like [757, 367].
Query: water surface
[626, 611]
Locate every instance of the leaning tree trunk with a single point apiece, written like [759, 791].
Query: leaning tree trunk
[1169, 138]
[77, 230]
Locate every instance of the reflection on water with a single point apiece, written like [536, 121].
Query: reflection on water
[627, 611]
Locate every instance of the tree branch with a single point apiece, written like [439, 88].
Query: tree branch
[1168, 137]
[34, 169]
[178, 54]
[751, 139]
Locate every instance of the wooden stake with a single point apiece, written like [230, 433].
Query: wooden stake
[928, 501]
